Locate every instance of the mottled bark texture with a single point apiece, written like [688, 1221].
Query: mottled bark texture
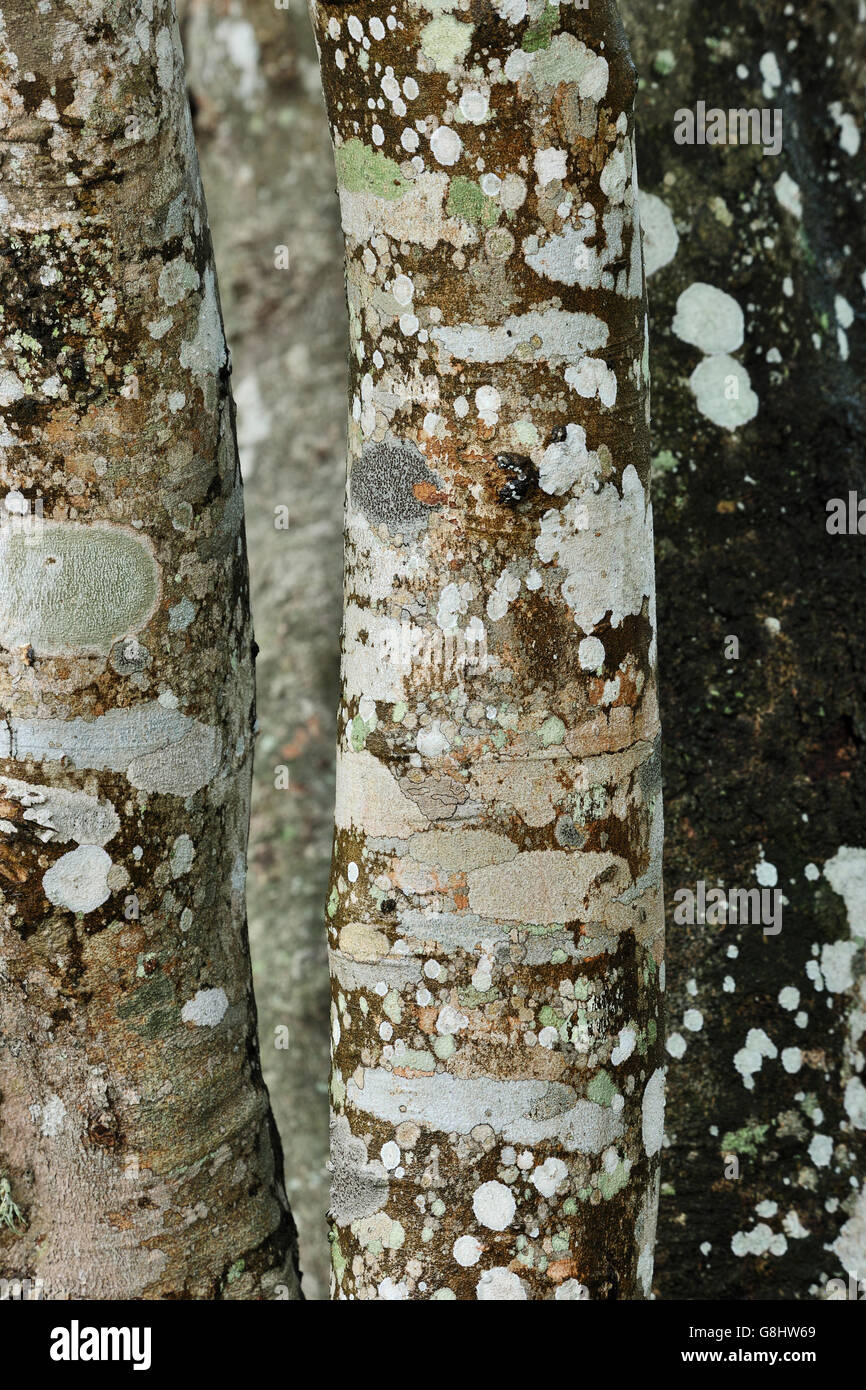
[765, 779]
[136, 1134]
[259, 125]
[495, 910]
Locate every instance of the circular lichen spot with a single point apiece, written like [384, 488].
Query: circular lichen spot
[67, 587]
[390, 483]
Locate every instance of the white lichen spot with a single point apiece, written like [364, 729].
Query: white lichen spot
[390, 1156]
[500, 1285]
[78, 881]
[653, 1112]
[52, 1115]
[505, 591]
[165, 59]
[771, 74]
[821, 1150]
[572, 1291]
[431, 741]
[750, 1058]
[550, 164]
[488, 403]
[761, 1240]
[177, 279]
[789, 195]
[849, 131]
[182, 855]
[474, 105]
[625, 1046]
[766, 873]
[467, 1251]
[855, 1102]
[723, 391]
[548, 1175]
[206, 1009]
[709, 319]
[593, 377]
[660, 237]
[590, 654]
[446, 145]
[494, 1206]
[205, 355]
[603, 540]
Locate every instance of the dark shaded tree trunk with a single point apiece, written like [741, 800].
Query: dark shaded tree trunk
[764, 776]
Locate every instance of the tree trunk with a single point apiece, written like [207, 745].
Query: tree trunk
[495, 909]
[765, 786]
[136, 1142]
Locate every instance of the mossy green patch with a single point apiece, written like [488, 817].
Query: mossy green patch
[468, 202]
[445, 41]
[744, 1141]
[601, 1089]
[552, 731]
[338, 1259]
[611, 1183]
[539, 34]
[362, 170]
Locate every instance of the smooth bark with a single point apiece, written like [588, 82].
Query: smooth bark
[495, 916]
[135, 1131]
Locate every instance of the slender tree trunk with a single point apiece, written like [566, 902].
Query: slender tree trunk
[495, 910]
[759, 419]
[137, 1151]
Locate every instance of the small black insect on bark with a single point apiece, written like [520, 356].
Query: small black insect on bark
[521, 478]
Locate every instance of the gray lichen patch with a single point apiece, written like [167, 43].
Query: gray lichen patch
[158, 749]
[391, 484]
[69, 588]
[61, 814]
[78, 881]
[358, 1187]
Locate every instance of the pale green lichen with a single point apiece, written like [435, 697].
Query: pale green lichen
[552, 731]
[362, 170]
[70, 587]
[744, 1141]
[467, 201]
[10, 1214]
[611, 1183]
[539, 34]
[445, 41]
[601, 1089]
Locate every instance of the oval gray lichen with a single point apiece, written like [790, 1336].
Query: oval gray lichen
[387, 483]
[72, 588]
